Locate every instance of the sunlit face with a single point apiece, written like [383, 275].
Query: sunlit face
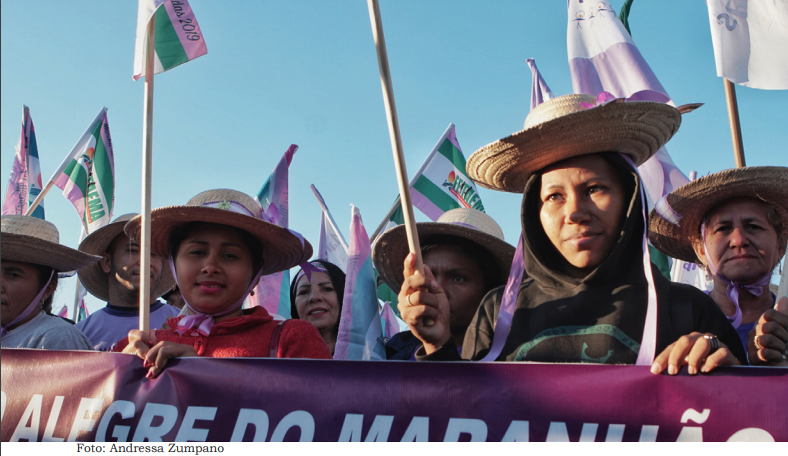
[122, 263]
[19, 285]
[740, 241]
[317, 302]
[461, 279]
[582, 208]
[214, 268]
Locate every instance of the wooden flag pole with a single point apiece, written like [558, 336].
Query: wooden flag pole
[733, 119]
[147, 168]
[396, 140]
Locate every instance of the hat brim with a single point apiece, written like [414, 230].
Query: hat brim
[694, 200]
[281, 248]
[95, 280]
[637, 129]
[29, 249]
[391, 248]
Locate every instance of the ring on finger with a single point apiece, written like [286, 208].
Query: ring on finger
[758, 343]
[714, 342]
[409, 302]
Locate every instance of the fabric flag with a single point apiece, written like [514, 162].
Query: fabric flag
[88, 180]
[25, 183]
[603, 57]
[63, 312]
[331, 246]
[391, 323]
[177, 37]
[83, 308]
[360, 329]
[273, 291]
[749, 39]
[540, 92]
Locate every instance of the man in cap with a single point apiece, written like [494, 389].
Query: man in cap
[116, 280]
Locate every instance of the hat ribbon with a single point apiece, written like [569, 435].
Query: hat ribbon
[504, 321]
[29, 309]
[665, 211]
[308, 268]
[733, 288]
[232, 206]
[643, 95]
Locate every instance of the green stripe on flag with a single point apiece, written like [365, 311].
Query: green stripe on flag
[168, 45]
[454, 155]
[102, 172]
[435, 194]
[397, 217]
[76, 173]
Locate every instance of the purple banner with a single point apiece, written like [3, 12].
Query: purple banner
[88, 396]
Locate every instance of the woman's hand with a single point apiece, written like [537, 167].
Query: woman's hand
[423, 305]
[695, 350]
[140, 342]
[768, 341]
[157, 357]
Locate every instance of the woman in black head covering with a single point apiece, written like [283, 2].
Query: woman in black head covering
[316, 296]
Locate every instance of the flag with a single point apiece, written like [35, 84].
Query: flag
[25, 183]
[331, 246]
[177, 37]
[63, 312]
[603, 57]
[88, 180]
[391, 323]
[273, 291]
[749, 39]
[540, 92]
[360, 330]
[83, 308]
[441, 183]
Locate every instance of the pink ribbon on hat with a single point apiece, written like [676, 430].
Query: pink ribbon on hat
[29, 309]
[643, 95]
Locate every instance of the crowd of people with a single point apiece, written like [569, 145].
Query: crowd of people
[585, 290]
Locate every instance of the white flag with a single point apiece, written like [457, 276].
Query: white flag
[332, 247]
[750, 40]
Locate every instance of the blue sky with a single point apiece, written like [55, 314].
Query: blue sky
[305, 72]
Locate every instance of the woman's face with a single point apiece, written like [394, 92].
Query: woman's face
[317, 302]
[582, 207]
[740, 241]
[19, 285]
[461, 279]
[214, 268]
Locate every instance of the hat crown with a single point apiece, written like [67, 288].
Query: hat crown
[30, 226]
[558, 107]
[472, 218]
[228, 199]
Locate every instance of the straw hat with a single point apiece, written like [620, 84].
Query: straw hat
[391, 248]
[676, 219]
[95, 280]
[32, 240]
[282, 248]
[563, 128]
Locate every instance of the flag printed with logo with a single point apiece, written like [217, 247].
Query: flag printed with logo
[331, 245]
[273, 291]
[88, 180]
[25, 183]
[178, 38]
[360, 329]
[749, 39]
[603, 57]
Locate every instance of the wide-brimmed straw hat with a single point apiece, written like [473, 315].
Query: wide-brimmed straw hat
[391, 248]
[675, 221]
[282, 248]
[32, 240]
[566, 127]
[95, 280]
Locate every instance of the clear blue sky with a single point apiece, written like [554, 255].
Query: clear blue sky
[306, 72]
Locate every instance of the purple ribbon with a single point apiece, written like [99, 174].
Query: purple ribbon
[508, 301]
[308, 268]
[29, 309]
[643, 95]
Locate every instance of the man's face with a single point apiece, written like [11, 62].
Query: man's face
[122, 263]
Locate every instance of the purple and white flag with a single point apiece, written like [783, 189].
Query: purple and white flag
[63, 312]
[360, 330]
[391, 323]
[332, 246]
[603, 58]
[25, 183]
[540, 92]
[749, 39]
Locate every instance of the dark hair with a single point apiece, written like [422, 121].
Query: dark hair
[179, 234]
[43, 275]
[337, 280]
[482, 257]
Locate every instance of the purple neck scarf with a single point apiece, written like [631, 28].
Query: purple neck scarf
[29, 309]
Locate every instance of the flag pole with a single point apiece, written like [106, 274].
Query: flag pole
[147, 158]
[60, 169]
[330, 218]
[394, 133]
[76, 301]
[733, 119]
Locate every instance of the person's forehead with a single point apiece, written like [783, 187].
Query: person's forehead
[317, 277]
[212, 232]
[446, 252]
[592, 164]
[18, 265]
[738, 208]
[122, 241]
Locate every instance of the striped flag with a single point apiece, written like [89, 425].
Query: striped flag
[83, 308]
[360, 330]
[177, 37]
[25, 183]
[391, 323]
[63, 312]
[273, 291]
[331, 246]
[88, 180]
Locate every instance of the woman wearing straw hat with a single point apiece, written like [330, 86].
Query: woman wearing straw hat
[218, 247]
[735, 223]
[592, 294]
[464, 250]
[31, 258]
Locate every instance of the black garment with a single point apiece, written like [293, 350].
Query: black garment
[402, 346]
[598, 318]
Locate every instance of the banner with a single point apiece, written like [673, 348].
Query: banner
[25, 182]
[108, 399]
